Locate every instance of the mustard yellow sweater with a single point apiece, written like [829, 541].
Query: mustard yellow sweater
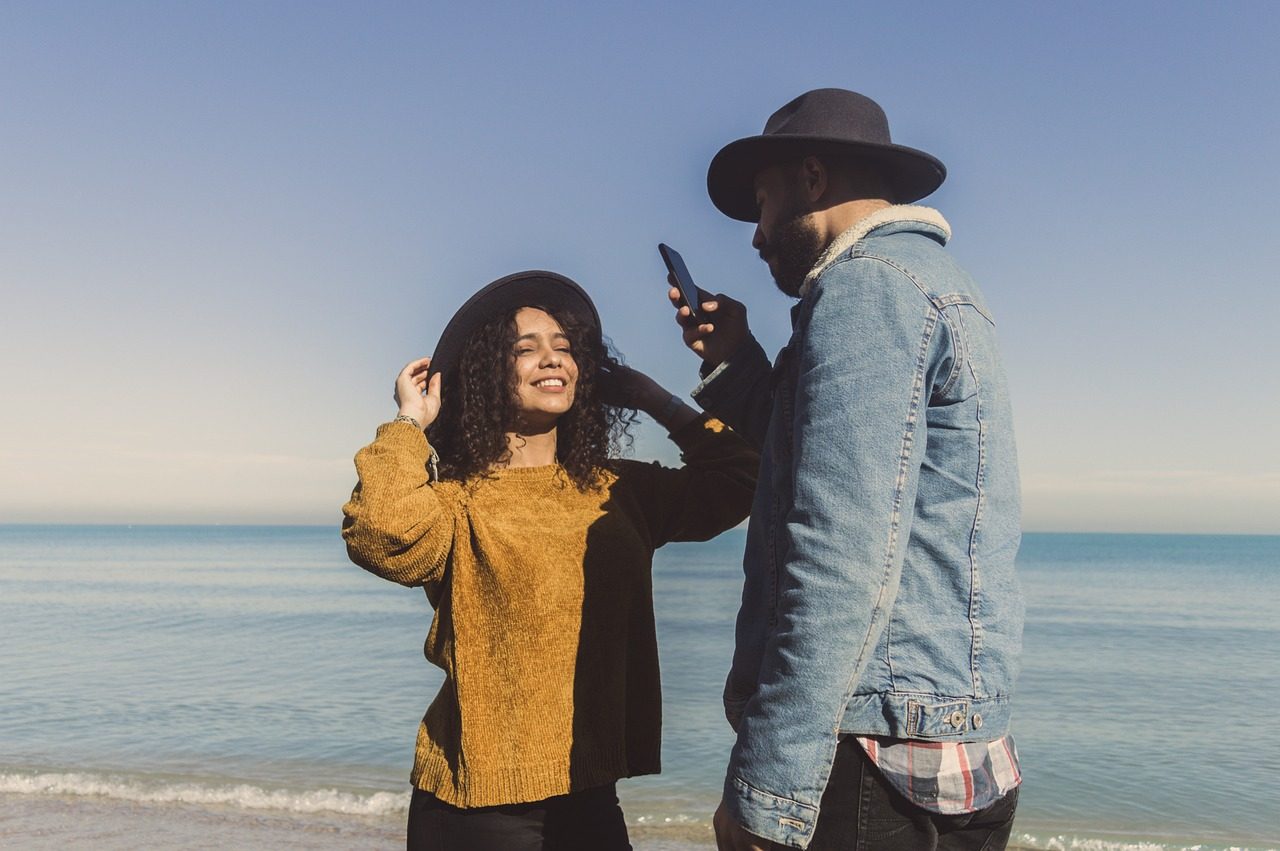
[543, 597]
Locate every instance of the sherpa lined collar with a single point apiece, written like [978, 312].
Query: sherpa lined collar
[884, 216]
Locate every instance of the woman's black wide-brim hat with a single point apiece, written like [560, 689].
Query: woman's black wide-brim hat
[832, 122]
[546, 290]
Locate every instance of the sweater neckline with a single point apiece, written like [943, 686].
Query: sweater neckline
[539, 472]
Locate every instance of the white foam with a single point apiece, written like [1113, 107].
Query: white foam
[237, 795]
[1076, 843]
[678, 818]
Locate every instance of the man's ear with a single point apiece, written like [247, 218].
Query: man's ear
[816, 177]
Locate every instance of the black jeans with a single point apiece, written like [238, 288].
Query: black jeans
[590, 819]
[860, 811]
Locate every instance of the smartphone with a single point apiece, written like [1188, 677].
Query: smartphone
[689, 291]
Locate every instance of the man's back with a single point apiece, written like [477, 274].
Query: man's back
[956, 628]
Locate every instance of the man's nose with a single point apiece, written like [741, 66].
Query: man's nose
[757, 239]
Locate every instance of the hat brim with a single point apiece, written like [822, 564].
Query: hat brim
[731, 176]
[534, 288]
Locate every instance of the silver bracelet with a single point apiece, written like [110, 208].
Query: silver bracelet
[405, 418]
[669, 409]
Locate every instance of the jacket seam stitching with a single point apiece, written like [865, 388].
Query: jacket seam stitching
[964, 299]
[892, 265]
[904, 458]
[958, 341]
[940, 302]
[975, 630]
[769, 795]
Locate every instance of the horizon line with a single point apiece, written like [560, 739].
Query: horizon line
[337, 527]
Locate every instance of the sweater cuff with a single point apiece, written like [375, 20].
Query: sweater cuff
[721, 383]
[696, 432]
[405, 435]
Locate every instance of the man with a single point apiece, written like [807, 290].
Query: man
[881, 621]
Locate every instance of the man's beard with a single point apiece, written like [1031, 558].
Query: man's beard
[795, 248]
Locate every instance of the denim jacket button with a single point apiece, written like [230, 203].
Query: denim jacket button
[977, 721]
[957, 719]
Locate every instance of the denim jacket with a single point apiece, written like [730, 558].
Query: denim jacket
[880, 596]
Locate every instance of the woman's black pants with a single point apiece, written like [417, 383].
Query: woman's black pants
[590, 819]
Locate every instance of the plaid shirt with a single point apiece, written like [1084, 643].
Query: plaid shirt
[946, 777]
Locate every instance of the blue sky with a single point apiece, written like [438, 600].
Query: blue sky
[227, 225]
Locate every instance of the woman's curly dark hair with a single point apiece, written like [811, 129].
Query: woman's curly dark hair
[478, 405]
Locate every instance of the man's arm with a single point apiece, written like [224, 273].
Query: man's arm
[739, 391]
[866, 353]
[736, 382]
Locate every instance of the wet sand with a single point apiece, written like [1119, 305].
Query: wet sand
[74, 822]
[55, 823]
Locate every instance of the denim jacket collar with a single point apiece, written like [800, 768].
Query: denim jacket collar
[923, 218]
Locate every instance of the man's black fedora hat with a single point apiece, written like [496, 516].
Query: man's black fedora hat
[835, 122]
[534, 288]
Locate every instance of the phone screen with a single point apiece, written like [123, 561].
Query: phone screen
[684, 281]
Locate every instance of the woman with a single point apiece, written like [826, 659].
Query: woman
[534, 546]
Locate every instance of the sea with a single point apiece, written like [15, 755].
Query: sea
[248, 687]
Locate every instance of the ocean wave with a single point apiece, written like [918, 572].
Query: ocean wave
[1063, 842]
[241, 795]
[333, 801]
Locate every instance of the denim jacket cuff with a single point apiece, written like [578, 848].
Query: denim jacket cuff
[721, 383]
[781, 820]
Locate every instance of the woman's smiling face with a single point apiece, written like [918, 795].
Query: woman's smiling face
[545, 371]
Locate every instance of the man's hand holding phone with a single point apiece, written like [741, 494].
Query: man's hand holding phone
[717, 328]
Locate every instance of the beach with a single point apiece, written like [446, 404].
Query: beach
[44, 821]
[247, 687]
[60, 822]
[56, 822]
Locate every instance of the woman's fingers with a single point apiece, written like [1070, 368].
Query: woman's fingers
[415, 365]
[412, 379]
[431, 401]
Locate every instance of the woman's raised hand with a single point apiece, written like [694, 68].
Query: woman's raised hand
[624, 387]
[417, 397]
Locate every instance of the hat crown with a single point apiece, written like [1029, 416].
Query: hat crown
[829, 123]
[831, 112]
